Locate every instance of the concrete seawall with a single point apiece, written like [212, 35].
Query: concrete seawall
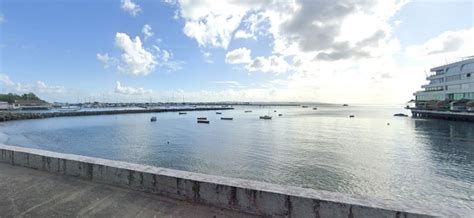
[446, 115]
[229, 193]
[8, 116]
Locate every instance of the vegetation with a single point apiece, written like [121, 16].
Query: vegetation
[10, 97]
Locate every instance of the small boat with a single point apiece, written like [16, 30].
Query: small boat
[218, 112]
[203, 121]
[304, 106]
[202, 118]
[153, 119]
[345, 105]
[400, 115]
[280, 115]
[181, 113]
[351, 116]
[266, 117]
[227, 118]
[315, 108]
[248, 111]
[275, 111]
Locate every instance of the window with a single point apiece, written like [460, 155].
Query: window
[469, 66]
[452, 69]
[453, 78]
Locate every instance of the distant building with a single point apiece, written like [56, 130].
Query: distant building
[451, 83]
[4, 105]
[31, 105]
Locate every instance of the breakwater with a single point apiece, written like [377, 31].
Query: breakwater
[236, 194]
[10, 116]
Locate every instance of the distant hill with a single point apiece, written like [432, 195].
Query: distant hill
[11, 98]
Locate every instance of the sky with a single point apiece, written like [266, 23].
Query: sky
[334, 51]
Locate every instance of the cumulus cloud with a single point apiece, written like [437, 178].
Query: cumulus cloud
[460, 42]
[135, 59]
[275, 64]
[238, 56]
[147, 33]
[131, 7]
[212, 23]
[138, 60]
[127, 90]
[37, 87]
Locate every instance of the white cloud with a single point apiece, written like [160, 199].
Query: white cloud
[106, 60]
[37, 87]
[147, 33]
[6, 81]
[275, 64]
[127, 90]
[240, 34]
[450, 43]
[327, 46]
[211, 23]
[238, 56]
[2, 18]
[135, 59]
[131, 7]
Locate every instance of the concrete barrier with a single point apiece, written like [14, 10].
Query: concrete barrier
[236, 194]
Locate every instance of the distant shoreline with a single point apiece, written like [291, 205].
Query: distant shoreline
[11, 116]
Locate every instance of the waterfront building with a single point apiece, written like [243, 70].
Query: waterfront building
[32, 105]
[4, 105]
[449, 86]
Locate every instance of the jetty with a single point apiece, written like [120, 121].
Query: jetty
[446, 115]
[18, 115]
[43, 183]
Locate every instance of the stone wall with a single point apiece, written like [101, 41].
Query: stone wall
[237, 194]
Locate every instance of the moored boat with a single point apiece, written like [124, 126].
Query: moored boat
[153, 119]
[202, 118]
[315, 108]
[218, 112]
[227, 118]
[248, 111]
[266, 117]
[345, 105]
[182, 113]
[203, 121]
[280, 115]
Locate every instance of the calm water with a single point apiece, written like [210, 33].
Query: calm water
[426, 161]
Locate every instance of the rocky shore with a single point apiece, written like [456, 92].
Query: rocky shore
[9, 116]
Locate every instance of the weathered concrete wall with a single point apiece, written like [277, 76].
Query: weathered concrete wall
[237, 194]
[8, 116]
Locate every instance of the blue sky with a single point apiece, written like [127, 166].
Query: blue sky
[52, 49]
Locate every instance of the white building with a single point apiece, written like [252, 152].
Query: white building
[449, 82]
[4, 105]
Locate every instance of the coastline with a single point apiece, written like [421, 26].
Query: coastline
[9, 116]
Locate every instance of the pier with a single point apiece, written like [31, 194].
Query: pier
[9, 116]
[447, 115]
[114, 187]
